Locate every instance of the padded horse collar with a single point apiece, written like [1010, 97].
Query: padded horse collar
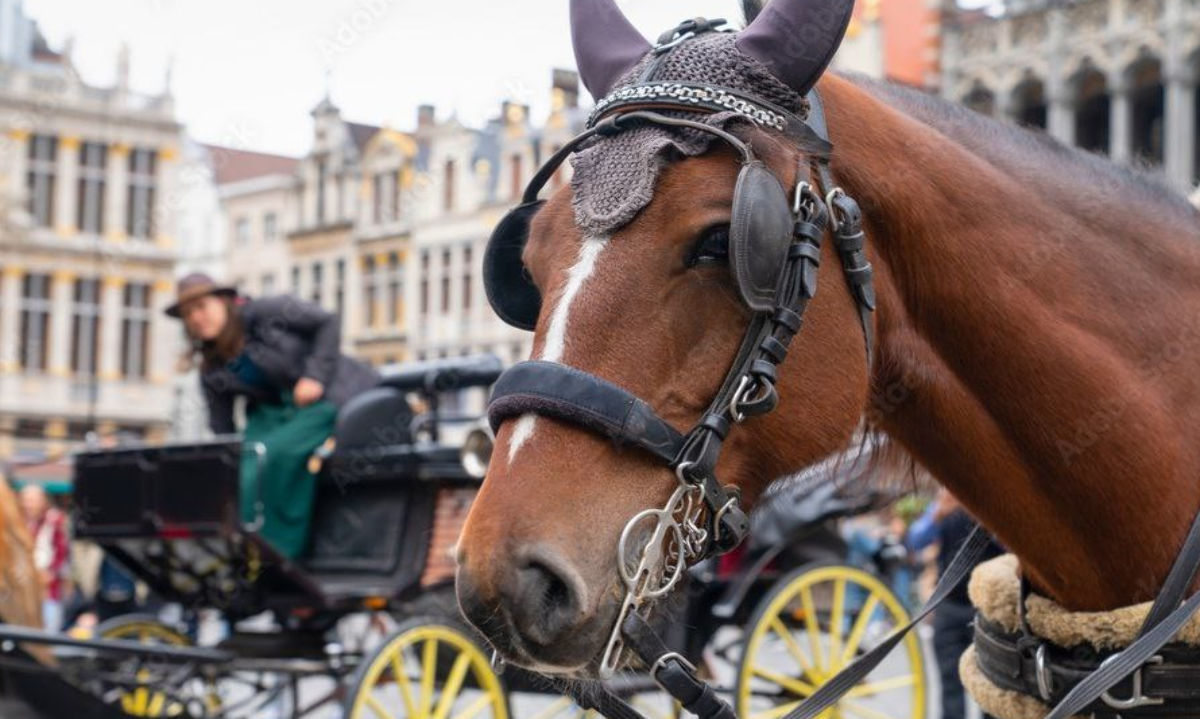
[774, 255]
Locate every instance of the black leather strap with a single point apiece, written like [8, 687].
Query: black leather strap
[1172, 686]
[671, 673]
[565, 393]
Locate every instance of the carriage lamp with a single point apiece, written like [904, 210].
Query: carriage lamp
[477, 451]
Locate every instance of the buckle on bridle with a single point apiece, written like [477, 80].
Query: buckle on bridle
[1135, 698]
[660, 664]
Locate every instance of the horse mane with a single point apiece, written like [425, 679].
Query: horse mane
[1034, 157]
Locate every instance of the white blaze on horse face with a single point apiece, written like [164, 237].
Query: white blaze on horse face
[555, 341]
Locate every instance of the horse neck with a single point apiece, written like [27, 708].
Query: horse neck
[1036, 360]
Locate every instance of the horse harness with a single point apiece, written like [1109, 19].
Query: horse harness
[774, 255]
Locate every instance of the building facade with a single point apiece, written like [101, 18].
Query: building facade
[88, 201]
[897, 40]
[1117, 77]
[387, 228]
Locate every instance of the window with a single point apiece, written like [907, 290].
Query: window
[385, 197]
[139, 218]
[89, 215]
[448, 187]
[395, 287]
[321, 173]
[35, 322]
[424, 299]
[43, 153]
[241, 231]
[466, 278]
[135, 329]
[318, 270]
[296, 279]
[270, 227]
[339, 290]
[515, 166]
[369, 317]
[445, 281]
[268, 283]
[85, 327]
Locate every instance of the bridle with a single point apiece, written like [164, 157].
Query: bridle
[775, 253]
[702, 518]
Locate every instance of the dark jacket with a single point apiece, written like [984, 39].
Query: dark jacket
[287, 339]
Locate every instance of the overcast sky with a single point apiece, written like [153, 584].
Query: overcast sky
[246, 72]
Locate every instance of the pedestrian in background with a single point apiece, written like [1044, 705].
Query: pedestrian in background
[948, 524]
[48, 527]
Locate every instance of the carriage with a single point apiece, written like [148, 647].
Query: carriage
[372, 599]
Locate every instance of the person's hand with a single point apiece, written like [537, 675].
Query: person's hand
[307, 391]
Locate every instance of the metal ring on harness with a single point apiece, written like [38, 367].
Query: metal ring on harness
[1136, 698]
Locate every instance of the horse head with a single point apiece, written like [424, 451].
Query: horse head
[646, 279]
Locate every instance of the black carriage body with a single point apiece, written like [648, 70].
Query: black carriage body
[170, 514]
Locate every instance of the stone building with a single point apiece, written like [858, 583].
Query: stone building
[88, 201]
[386, 227]
[897, 40]
[1112, 76]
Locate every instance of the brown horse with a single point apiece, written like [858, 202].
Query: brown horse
[1038, 336]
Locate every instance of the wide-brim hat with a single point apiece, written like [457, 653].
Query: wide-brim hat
[197, 284]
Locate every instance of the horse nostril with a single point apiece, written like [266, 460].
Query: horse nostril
[545, 604]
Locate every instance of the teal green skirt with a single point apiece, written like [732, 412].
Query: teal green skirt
[291, 434]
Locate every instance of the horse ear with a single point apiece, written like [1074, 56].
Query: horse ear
[796, 39]
[751, 9]
[606, 44]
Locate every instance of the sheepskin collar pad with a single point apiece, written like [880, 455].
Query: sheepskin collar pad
[1001, 670]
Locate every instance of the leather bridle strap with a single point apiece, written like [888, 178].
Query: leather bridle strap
[565, 393]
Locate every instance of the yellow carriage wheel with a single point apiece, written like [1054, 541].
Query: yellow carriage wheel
[145, 700]
[427, 669]
[811, 624]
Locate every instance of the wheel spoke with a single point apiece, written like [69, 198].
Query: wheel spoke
[860, 627]
[793, 647]
[883, 685]
[555, 707]
[475, 707]
[810, 623]
[453, 683]
[779, 711]
[155, 707]
[400, 676]
[835, 623]
[428, 672]
[377, 707]
[798, 686]
[862, 711]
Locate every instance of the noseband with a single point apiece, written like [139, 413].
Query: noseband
[775, 251]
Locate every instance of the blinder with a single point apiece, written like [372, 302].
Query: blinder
[760, 229]
[509, 288]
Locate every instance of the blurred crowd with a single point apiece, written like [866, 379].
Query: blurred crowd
[80, 585]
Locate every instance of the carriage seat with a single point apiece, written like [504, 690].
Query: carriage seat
[443, 375]
[382, 416]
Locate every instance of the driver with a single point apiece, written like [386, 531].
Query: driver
[281, 354]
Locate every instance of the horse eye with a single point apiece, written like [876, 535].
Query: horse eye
[712, 247]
